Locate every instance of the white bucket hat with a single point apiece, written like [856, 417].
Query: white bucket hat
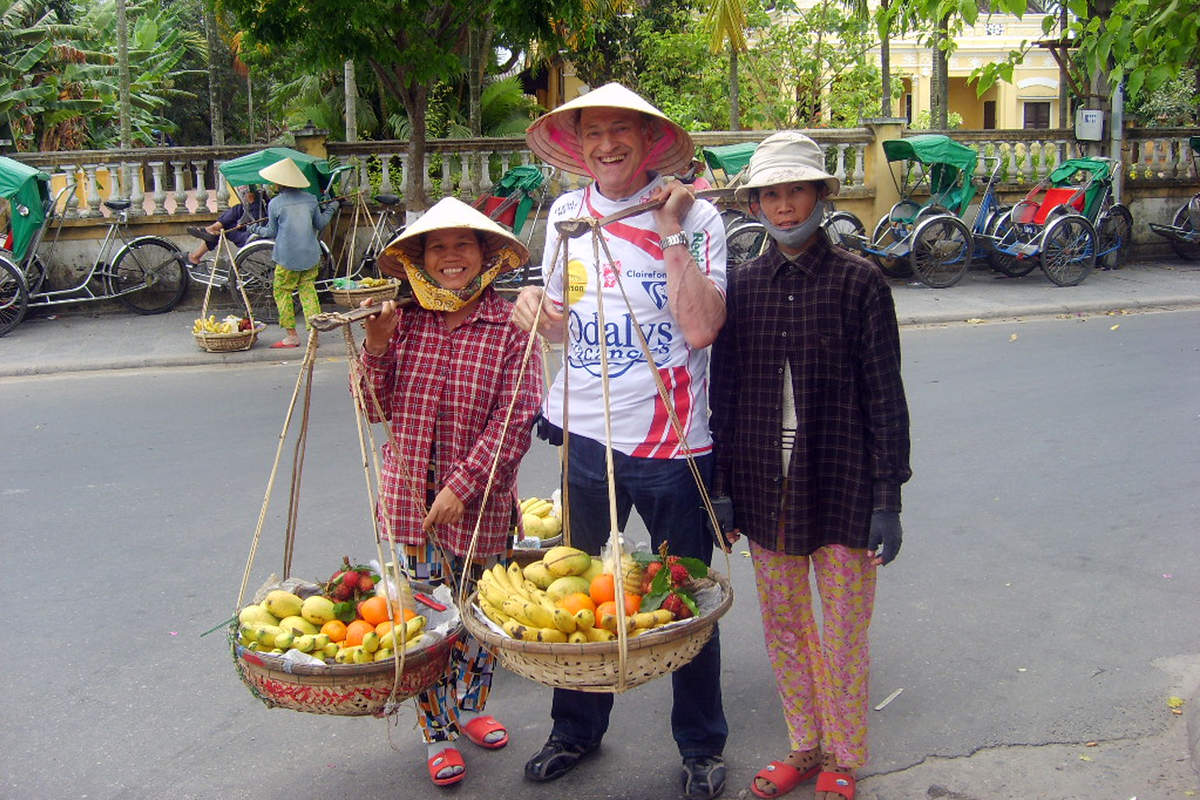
[449, 213]
[785, 157]
[285, 173]
[554, 136]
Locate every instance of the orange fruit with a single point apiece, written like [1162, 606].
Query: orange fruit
[335, 629]
[632, 603]
[374, 609]
[606, 608]
[602, 590]
[356, 630]
[385, 626]
[577, 601]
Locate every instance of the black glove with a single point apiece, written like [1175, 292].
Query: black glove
[886, 534]
[723, 508]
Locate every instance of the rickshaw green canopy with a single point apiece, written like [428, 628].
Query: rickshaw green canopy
[28, 192]
[951, 166]
[1100, 170]
[244, 169]
[1195, 143]
[730, 158]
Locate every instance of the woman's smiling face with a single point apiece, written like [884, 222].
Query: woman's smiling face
[453, 257]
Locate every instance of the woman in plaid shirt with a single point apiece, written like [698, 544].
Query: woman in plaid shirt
[810, 426]
[446, 372]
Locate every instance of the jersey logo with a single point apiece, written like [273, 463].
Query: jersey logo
[656, 291]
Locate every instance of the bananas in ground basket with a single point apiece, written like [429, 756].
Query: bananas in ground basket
[540, 518]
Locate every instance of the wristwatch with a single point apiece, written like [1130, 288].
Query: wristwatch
[674, 239]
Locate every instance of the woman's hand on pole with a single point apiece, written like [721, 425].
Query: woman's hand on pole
[525, 310]
[381, 326]
[447, 509]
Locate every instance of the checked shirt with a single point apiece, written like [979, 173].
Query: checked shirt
[830, 320]
[452, 388]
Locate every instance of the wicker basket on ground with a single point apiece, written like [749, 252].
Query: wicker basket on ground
[350, 298]
[348, 690]
[527, 555]
[229, 342]
[595, 666]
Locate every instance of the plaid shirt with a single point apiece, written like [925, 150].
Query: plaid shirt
[830, 316]
[453, 388]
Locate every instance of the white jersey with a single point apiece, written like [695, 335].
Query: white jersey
[641, 425]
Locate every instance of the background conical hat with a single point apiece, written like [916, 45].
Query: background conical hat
[449, 213]
[555, 139]
[285, 173]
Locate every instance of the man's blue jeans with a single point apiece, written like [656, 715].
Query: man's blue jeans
[665, 495]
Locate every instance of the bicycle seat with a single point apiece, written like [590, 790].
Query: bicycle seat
[118, 205]
[387, 199]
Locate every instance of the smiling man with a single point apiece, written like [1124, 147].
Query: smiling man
[654, 307]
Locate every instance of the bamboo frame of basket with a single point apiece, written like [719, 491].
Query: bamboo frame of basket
[594, 666]
[238, 340]
[350, 298]
[348, 690]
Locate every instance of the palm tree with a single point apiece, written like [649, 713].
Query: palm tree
[726, 19]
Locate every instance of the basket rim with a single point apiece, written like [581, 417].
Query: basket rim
[274, 663]
[655, 638]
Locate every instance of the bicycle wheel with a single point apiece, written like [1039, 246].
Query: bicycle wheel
[148, 275]
[1003, 234]
[744, 243]
[886, 233]
[35, 275]
[840, 223]
[941, 251]
[1068, 250]
[1183, 221]
[256, 272]
[732, 216]
[1114, 234]
[14, 298]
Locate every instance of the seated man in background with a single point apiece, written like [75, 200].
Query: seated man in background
[233, 221]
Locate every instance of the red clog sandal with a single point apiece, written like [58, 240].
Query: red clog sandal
[782, 777]
[836, 783]
[478, 729]
[447, 759]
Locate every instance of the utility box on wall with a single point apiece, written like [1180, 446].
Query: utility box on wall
[1089, 124]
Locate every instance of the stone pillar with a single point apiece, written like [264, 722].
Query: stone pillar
[311, 140]
[877, 171]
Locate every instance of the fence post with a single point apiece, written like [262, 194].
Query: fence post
[878, 172]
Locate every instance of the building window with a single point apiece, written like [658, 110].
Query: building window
[989, 115]
[1037, 115]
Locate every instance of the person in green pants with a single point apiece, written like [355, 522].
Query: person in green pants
[294, 219]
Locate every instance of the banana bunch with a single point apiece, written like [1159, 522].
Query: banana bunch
[210, 325]
[274, 639]
[524, 611]
[539, 518]
[371, 283]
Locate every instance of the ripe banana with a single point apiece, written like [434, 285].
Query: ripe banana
[652, 619]
[599, 635]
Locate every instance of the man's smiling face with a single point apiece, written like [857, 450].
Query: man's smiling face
[615, 142]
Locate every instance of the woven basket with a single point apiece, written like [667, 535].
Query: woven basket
[594, 667]
[348, 690]
[350, 298]
[229, 342]
[524, 556]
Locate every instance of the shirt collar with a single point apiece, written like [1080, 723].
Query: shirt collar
[807, 263]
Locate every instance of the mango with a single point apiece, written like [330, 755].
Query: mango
[539, 574]
[256, 615]
[532, 524]
[317, 609]
[563, 561]
[567, 585]
[298, 625]
[282, 604]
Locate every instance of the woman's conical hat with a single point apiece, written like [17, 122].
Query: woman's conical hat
[285, 173]
[449, 213]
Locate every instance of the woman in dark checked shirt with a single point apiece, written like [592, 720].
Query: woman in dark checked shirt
[446, 370]
[810, 426]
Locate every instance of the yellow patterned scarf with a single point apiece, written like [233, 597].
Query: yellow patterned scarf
[435, 297]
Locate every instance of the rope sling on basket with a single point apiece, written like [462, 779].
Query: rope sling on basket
[623, 662]
[374, 688]
[218, 341]
[386, 289]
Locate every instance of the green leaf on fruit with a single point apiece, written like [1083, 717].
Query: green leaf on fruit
[345, 611]
[644, 557]
[689, 602]
[695, 567]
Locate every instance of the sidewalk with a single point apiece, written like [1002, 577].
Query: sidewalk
[70, 341]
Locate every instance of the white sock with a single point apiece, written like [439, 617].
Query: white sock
[433, 748]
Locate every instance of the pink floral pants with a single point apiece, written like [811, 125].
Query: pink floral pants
[822, 679]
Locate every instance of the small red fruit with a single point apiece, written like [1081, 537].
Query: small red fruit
[679, 575]
[674, 603]
[350, 579]
[365, 584]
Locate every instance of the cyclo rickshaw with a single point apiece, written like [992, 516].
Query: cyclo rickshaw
[253, 262]
[745, 237]
[144, 273]
[1184, 230]
[1066, 223]
[928, 239]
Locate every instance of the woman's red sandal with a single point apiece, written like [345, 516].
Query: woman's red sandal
[446, 759]
[783, 777]
[478, 729]
[838, 783]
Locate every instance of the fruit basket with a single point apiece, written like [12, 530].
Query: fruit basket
[217, 342]
[596, 666]
[301, 681]
[349, 293]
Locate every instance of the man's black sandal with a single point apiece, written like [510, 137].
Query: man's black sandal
[555, 759]
[703, 777]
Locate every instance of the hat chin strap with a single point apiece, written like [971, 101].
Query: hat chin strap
[795, 238]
